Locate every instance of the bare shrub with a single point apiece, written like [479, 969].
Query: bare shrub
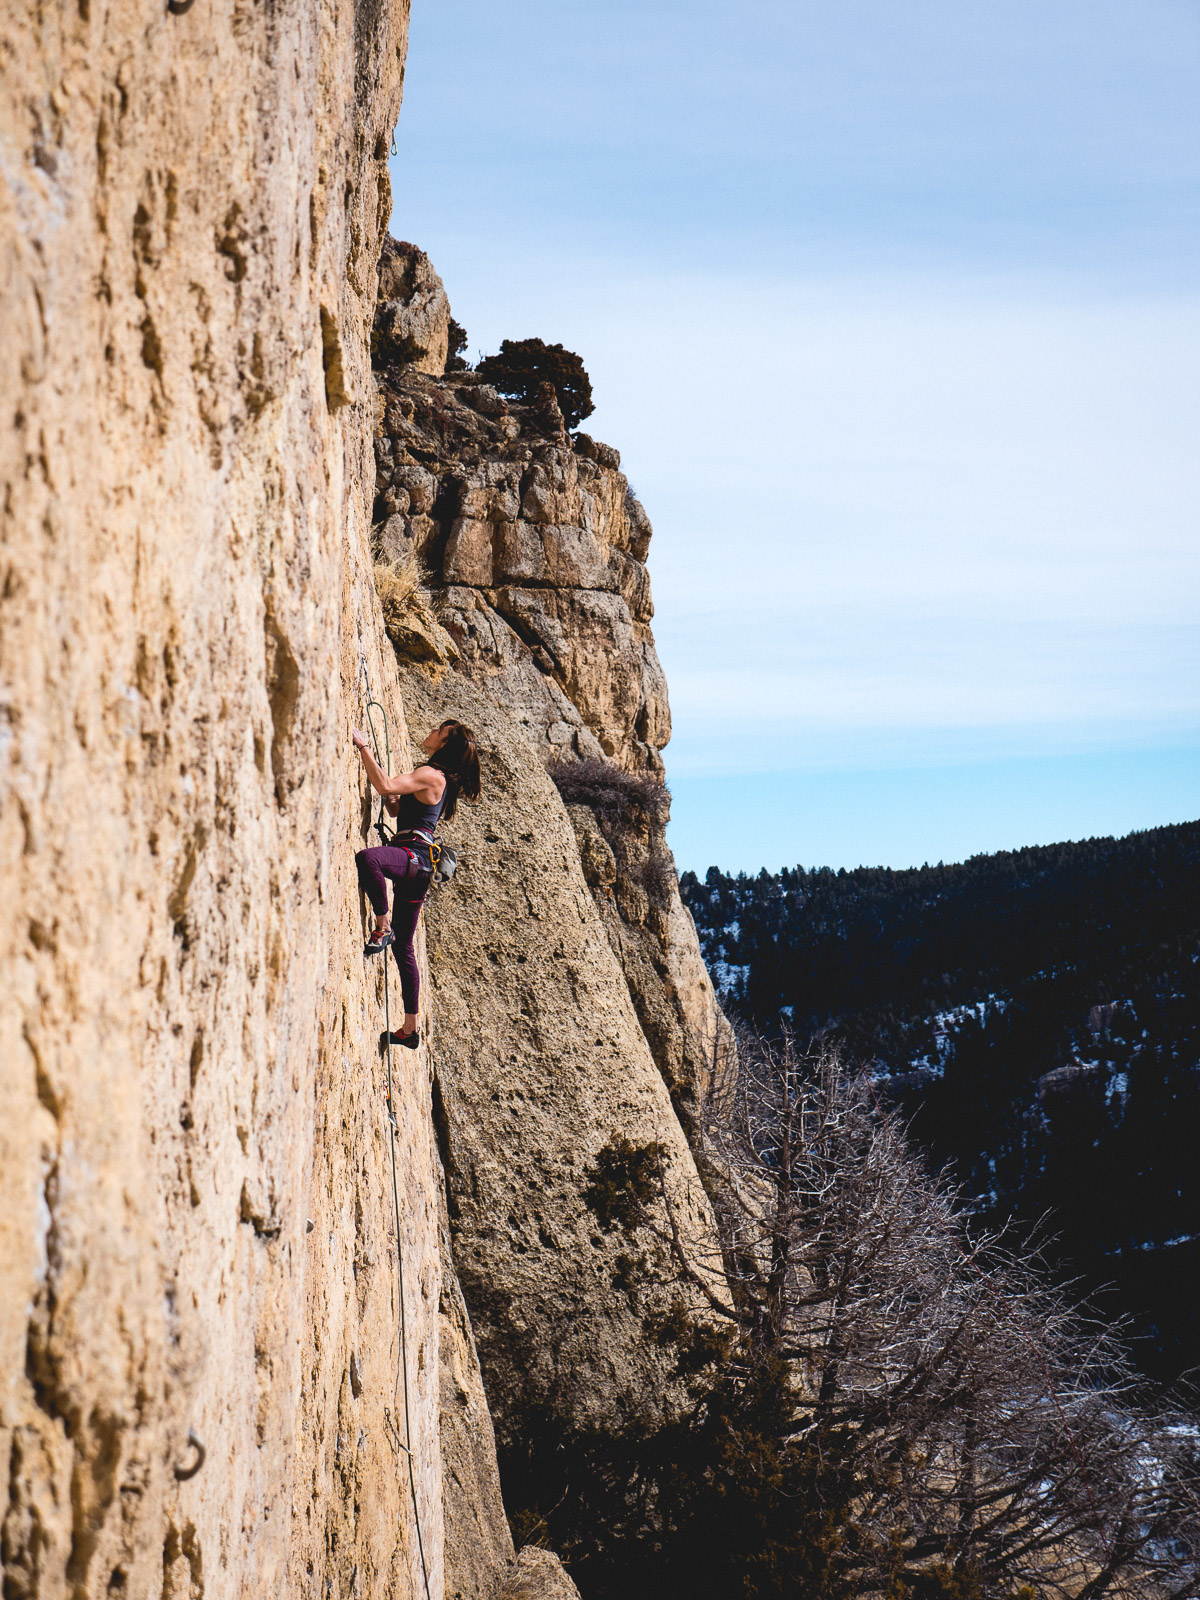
[631, 810]
[991, 1432]
[611, 792]
[897, 1410]
[399, 582]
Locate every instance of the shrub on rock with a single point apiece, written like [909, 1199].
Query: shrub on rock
[456, 343]
[523, 365]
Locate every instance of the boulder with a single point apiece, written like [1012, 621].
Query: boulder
[412, 314]
[538, 1575]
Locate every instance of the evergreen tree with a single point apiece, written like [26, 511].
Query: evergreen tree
[524, 365]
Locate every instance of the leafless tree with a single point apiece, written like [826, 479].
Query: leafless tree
[941, 1419]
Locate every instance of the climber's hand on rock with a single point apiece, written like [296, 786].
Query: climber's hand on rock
[360, 739]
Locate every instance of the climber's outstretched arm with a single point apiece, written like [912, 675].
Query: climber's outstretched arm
[426, 782]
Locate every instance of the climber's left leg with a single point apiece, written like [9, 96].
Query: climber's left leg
[375, 867]
[406, 912]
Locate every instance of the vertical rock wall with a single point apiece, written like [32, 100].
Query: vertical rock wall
[201, 1385]
[572, 1007]
[195, 1214]
[535, 551]
[540, 1062]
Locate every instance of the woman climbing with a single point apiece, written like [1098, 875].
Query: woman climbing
[418, 800]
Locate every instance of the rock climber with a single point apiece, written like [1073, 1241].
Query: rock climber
[418, 800]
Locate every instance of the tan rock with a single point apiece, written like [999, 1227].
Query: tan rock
[540, 1061]
[390, 541]
[653, 937]
[469, 553]
[412, 317]
[595, 852]
[196, 1229]
[605, 663]
[515, 676]
[520, 554]
[538, 1575]
[548, 529]
[408, 616]
[201, 1283]
[419, 485]
[479, 1547]
[562, 643]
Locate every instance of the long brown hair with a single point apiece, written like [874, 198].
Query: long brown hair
[459, 760]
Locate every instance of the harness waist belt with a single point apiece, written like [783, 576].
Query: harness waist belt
[415, 833]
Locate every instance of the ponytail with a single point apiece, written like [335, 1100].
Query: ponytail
[458, 760]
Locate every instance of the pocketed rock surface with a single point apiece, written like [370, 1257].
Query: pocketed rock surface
[195, 1206]
[539, 1061]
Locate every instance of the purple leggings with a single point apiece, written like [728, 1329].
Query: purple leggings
[411, 881]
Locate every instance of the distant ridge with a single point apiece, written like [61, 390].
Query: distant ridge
[1037, 1011]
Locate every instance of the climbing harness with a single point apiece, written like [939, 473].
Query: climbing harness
[406, 1444]
[443, 862]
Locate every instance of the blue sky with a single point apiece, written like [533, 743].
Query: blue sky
[892, 309]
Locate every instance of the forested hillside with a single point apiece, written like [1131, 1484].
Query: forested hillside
[1037, 1012]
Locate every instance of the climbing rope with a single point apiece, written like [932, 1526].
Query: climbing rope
[371, 706]
[386, 763]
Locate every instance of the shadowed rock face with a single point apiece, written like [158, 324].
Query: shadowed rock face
[538, 1575]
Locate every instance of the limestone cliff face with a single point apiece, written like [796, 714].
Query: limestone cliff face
[537, 549]
[534, 548]
[572, 1006]
[196, 1209]
[412, 313]
[539, 1061]
[201, 1387]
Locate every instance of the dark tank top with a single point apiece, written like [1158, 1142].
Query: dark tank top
[412, 814]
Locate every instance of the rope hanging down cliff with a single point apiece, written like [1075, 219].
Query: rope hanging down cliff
[373, 705]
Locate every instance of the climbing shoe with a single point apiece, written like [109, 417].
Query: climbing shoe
[410, 1041]
[378, 942]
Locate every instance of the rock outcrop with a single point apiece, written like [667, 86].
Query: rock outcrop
[412, 315]
[539, 1061]
[572, 1007]
[534, 550]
